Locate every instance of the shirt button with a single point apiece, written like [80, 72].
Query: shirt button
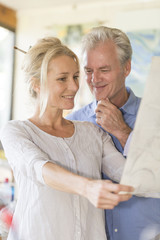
[116, 230]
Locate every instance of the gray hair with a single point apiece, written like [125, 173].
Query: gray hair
[103, 34]
[36, 64]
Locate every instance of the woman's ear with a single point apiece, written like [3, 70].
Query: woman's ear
[36, 85]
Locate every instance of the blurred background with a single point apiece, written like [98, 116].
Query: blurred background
[23, 22]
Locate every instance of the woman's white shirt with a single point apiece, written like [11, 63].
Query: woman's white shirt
[45, 213]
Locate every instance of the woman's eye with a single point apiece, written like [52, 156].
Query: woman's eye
[76, 78]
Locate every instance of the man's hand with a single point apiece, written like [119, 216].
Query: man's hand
[110, 118]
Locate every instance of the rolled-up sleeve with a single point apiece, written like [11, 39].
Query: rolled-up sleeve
[113, 161]
[22, 153]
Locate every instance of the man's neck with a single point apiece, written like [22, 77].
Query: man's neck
[120, 99]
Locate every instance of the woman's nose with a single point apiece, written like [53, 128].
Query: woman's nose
[73, 85]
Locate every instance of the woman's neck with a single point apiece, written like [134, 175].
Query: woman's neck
[53, 123]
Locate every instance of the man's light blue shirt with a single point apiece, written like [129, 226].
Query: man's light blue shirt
[132, 219]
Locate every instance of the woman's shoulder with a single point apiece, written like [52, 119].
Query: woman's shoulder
[12, 126]
[84, 123]
[88, 126]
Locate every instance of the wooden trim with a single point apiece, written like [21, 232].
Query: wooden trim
[7, 17]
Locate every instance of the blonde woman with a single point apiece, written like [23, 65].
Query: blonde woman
[57, 163]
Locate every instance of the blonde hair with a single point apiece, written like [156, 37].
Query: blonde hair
[36, 64]
[103, 34]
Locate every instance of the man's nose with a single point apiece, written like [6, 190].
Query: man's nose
[95, 77]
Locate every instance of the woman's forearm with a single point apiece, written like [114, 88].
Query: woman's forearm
[101, 193]
[61, 179]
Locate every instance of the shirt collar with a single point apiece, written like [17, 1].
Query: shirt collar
[93, 108]
[128, 107]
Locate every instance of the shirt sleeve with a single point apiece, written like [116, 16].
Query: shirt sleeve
[23, 155]
[113, 161]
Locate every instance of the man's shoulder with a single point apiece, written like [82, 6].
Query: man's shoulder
[82, 114]
[131, 107]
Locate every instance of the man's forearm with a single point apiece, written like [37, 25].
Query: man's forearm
[123, 134]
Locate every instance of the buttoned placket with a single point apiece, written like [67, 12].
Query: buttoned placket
[77, 218]
[116, 223]
[76, 198]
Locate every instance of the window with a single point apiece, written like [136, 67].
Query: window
[6, 73]
[7, 37]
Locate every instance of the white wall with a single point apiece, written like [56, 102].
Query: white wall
[34, 24]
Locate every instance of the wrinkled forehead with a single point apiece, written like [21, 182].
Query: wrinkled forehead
[100, 56]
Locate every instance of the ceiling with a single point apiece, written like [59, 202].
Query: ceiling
[30, 4]
[40, 4]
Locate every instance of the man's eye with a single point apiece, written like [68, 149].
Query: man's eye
[87, 71]
[105, 70]
[62, 79]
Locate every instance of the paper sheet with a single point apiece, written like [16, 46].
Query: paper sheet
[142, 170]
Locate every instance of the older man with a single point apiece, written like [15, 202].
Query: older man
[107, 56]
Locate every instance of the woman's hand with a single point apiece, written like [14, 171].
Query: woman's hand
[105, 194]
[101, 193]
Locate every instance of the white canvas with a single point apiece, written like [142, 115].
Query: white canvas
[142, 169]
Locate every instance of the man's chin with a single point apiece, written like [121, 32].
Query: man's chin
[98, 97]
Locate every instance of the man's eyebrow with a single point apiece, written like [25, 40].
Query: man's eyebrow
[87, 68]
[103, 67]
[106, 66]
